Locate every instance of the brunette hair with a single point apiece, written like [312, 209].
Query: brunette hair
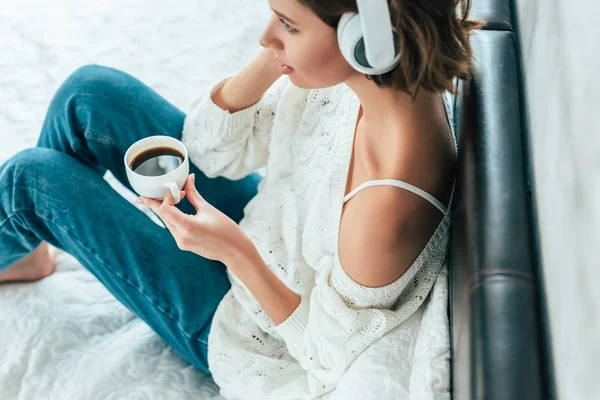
[432, 39]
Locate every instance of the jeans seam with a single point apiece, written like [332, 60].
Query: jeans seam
[117, 274]
[133, 109]
[94, 136]
[102, 139]
[106, 139]
[97, 137]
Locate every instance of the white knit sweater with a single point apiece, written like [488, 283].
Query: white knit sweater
[304, 138]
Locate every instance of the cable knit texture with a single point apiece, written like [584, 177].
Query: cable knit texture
[305, 139]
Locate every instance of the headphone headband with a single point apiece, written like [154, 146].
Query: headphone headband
[376, 26]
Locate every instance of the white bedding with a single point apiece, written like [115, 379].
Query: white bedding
[66, 337]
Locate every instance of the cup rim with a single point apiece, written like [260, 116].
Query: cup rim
[149, 138]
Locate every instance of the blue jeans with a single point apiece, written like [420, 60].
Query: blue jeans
[56, 192]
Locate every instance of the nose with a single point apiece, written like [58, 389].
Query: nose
[269, 39]
[262, 41]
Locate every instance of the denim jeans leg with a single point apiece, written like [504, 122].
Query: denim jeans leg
[56, 193]
[48, 195]
[98, 112]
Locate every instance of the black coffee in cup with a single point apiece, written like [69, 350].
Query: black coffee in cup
[157, 161]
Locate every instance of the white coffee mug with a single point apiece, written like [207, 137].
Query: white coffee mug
[157, 187]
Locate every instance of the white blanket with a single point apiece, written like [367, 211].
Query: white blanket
[66, 337]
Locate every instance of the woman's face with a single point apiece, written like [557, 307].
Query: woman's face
[302, 41]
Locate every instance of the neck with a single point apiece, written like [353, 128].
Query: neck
[387, 110]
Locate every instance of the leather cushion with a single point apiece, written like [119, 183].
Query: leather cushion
[495, 12]
[493, 307]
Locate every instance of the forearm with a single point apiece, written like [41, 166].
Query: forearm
[276, 299]
[250, 84]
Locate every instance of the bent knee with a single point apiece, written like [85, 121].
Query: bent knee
[93, 79]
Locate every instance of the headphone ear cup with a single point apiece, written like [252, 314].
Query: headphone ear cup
[349, 33]
[352, 45]
[360, 52]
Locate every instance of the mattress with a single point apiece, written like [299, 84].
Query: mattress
[66, 337]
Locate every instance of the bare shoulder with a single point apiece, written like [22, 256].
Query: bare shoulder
[385, 228]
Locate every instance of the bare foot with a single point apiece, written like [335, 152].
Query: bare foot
[35, 266]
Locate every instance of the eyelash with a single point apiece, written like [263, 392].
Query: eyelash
[288, 27]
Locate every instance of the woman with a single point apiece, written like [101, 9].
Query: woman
[285, 279]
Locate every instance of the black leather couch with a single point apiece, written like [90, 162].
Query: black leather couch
[500, 342]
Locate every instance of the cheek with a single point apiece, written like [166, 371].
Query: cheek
[320, 67]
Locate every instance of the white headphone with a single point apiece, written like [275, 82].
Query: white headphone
[367, 38]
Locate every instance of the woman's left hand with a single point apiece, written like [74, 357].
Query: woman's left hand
[210, 233]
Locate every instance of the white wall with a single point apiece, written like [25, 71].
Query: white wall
[561, 51]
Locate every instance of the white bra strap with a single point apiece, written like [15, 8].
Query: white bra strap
[404, 185]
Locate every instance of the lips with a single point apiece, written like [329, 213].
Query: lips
[284, 68]
[282, 63]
